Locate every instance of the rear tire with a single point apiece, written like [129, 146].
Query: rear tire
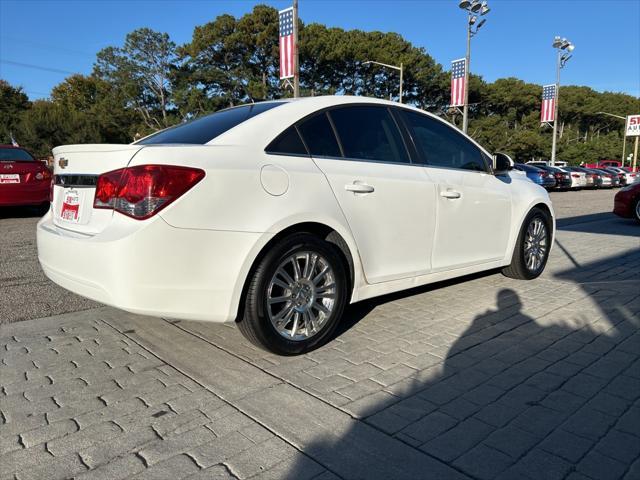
[293, 309]
[532, 247]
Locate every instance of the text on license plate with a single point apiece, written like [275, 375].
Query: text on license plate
[9, 178]
[70, 206]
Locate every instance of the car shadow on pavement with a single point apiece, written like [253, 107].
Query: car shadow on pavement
[518, 397]
[595, 223]
[23, 212]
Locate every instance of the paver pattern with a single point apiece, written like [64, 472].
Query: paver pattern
[479, 378]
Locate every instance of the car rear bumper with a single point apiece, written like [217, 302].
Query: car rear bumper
[151, 267]
[24, 194]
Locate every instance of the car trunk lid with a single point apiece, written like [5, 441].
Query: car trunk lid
[18, 172]
[76, 170]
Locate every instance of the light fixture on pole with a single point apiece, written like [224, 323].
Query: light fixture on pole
[624, 135]
[474, 9]
[564, 48]
[394, 67]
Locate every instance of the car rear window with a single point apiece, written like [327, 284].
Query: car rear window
[15, 155]
[205, 129]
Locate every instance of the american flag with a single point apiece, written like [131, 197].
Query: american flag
[457, 82]
[548, 110]
[287, 47]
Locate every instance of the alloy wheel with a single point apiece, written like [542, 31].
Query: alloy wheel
[301, 295]
[535, 245]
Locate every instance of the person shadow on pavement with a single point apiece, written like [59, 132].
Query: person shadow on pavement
[514, 398]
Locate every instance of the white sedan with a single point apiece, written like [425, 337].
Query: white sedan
[278, 214]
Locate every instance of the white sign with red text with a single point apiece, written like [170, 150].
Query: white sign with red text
[633, 126]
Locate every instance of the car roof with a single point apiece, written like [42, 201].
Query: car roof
[260, 130]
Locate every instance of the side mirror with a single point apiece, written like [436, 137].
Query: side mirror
[502, 163]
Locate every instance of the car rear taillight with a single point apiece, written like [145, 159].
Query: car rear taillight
[44, 174]
[575, 175]
[142, 191]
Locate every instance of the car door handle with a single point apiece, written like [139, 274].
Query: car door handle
[450, 194]
[359, 188]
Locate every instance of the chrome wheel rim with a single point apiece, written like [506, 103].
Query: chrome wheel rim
[301, 295]
[535, 245]
[638, 209]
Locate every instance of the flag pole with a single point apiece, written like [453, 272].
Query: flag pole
[296, 64]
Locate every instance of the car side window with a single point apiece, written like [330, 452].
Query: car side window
[318, 135]
[288, 143]
[369, 133]
[441, 146]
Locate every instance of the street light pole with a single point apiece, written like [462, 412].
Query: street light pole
[296, 65]
[394, 67]
[555, 113]
[624, 135]
[563, 57]
[465, 108]
[474, 9]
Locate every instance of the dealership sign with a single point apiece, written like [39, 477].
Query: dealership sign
[633, 126]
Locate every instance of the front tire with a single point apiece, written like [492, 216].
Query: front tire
[532, 247]
[296, 296]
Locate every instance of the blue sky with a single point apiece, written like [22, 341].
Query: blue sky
[63, 36]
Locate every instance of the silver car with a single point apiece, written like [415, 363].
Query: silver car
[578, 179]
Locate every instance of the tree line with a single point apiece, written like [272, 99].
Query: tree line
[149, 83]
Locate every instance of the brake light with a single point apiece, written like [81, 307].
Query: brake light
[142, 191]
[575, 175]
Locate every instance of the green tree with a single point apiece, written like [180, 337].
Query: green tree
[13, 102]
[142, 69]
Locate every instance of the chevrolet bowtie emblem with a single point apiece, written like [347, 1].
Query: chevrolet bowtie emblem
[63, 162]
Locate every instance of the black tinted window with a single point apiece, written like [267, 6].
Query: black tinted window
[318, 135]
[15, 155]
[288, 142]
[441, 145]
[369, 133]
[205, 129]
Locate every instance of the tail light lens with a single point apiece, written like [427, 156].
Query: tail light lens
[142, 191]
[575, 175]
[44, 174]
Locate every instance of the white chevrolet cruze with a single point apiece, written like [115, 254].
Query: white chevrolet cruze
[277, 214]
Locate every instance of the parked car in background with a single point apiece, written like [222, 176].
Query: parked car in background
[584, 179]
[537, 175]
[277, 214]
[609, 179]
[602, 164]
[627, 177]
[594, 179]
[563, 179]
[538, 163]
[23, 179]
[626, 203]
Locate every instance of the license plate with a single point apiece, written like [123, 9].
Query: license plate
[9, 178]
[70, 207]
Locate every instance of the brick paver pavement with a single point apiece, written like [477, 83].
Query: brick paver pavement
[481, 378]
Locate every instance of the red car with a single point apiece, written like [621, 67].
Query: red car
[627, 202]
[23, 179]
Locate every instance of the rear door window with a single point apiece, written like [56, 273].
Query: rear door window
[204, 129]
[369, 133]
[318, 135]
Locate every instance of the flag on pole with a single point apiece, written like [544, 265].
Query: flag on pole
[287, 45]
[458, 68]
[13, 140]
[548, 110]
